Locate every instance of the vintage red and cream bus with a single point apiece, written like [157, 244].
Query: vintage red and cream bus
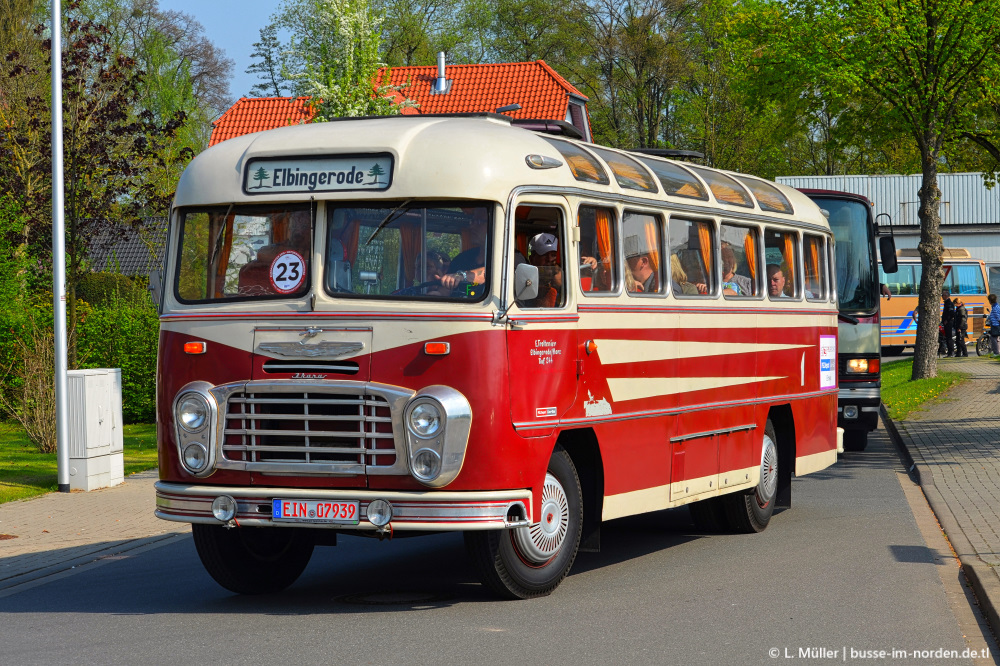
[431, 324]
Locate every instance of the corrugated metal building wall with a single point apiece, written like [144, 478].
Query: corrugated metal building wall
[970, 214]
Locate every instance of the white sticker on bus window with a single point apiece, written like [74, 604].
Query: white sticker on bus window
[827, 361]
[288, 272]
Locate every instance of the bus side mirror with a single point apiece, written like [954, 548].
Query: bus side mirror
[156, 290]
[525, 282]
[887, 250]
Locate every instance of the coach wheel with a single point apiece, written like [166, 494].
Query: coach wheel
[531, 561]
[983, 345]
[751, 511]
[253, 560]
[855, 440]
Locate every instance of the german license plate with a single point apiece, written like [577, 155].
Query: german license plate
[315, 511]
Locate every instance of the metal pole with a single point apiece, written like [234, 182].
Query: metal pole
[59, 252]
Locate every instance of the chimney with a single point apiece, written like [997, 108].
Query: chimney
[441, 84]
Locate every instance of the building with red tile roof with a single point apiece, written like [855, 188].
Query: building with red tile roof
[539, 89]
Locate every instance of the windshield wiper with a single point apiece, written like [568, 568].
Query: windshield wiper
[388, 218]
[848, 318]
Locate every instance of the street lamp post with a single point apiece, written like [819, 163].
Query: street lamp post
[59, 252]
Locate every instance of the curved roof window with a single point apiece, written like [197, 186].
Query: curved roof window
[628, 173]
[725, 189]
[583, 165]
[768, 196]
[675, 180]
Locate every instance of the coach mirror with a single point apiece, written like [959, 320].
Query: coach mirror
[887, 251]
[525, 282]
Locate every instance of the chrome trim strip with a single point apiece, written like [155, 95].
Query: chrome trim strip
[709, 433]
[859, 393]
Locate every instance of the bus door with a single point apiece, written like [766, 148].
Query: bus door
[542, 331]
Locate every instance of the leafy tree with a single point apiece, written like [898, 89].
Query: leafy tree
[929, 66]
[267, 64]
[333, 57]
[414, 31]
[111, 145]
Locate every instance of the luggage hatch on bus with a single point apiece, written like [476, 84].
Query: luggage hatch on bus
[312, 353]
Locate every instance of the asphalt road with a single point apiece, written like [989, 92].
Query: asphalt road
[845, 567]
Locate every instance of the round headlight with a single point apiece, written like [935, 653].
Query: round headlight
[224, 508]
[379, 512]
[192, 412]
[425, 419]
[426, 464]
[195, 457]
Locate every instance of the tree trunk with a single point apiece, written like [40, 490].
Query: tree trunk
[932, 278]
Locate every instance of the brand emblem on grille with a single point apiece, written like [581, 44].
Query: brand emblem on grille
[302, 375]
[299, 349]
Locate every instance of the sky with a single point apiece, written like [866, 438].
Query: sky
[233, 26]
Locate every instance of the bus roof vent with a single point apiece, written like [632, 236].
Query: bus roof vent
[558, 127]
[670, 153]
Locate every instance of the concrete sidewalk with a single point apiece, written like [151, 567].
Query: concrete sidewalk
[45, 535]
[954, 445]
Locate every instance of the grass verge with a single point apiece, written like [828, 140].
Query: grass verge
[25, 473]
[902, 396]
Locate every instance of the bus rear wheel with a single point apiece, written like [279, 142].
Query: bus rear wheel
[751, 511]
[855, 440]
[892, 350]
[531, 561]
[253, 560]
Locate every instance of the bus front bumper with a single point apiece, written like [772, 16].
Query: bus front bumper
[857, 408]
[415, 510]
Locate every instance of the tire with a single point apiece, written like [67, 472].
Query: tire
[253, 560]
[983, 345]
[855, 440]
[709, 515]
[751, 511]
[528, 562]
[892, 350]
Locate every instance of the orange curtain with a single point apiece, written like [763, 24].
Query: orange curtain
[466, 239]
[521, 245]
[750, 247]
[814, 255]
[349, 239]
[409, 235]
[653, 243]
[602, 228]
[705, 240]
[790, 258]
[279, 229]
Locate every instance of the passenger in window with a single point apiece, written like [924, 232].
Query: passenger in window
[545, 255]
[775, 281]
[733, 284]
[640, 265]
[679, 278]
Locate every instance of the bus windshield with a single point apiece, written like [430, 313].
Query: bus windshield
[857, 288]
[401, 251]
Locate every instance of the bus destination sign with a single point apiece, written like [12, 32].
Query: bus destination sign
[329, 174]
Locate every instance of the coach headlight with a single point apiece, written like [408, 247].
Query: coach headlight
[195, 420]
[437, 422]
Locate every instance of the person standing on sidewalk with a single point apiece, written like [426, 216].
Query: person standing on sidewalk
[948, 325]
[994, 322]
[961, 327]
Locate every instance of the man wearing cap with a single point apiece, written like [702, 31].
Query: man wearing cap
[545, 255]
[641, 266]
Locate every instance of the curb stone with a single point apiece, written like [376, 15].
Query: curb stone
[983, 579]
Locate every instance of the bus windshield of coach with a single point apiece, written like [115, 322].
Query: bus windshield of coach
[857, 284]
[243, 252]
[409, 251]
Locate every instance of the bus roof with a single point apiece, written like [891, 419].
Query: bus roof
[431, 155]
[834, 193]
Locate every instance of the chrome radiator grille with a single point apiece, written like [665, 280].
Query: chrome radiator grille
[308, 432]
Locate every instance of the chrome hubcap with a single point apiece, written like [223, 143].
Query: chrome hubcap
[768, 483]
[538, 543]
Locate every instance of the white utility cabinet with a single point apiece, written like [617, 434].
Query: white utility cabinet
[95, 428]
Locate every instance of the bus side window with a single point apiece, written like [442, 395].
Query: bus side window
[740, 261]
[692, 260]
[815, 267]
[781, 268]
[641, 234]
[599, 242]
[539, 231]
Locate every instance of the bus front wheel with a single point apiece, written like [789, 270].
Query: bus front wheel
[531, 561]
[253, 560]
[751, 511]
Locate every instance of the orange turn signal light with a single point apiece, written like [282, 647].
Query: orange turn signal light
[590, 346]
[437, 348]
[195, 347]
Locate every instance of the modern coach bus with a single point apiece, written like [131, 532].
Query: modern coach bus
[859, 353]
[426, 324]
[965, 278]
